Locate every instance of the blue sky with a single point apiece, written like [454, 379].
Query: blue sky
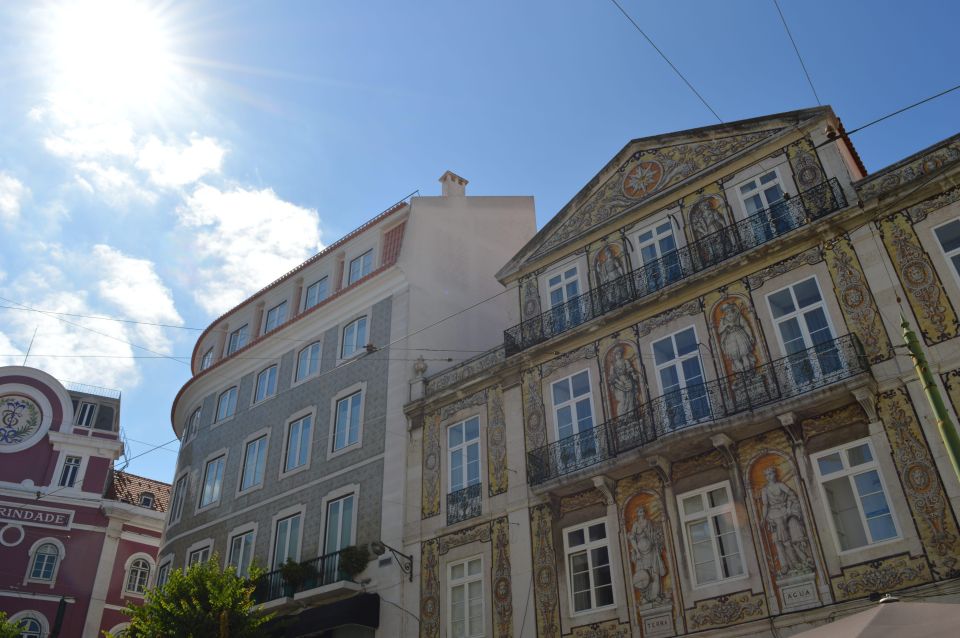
[160, 160]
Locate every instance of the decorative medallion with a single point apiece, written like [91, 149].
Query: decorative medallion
[535, 432]
[642, 179]
[20, 419]
[429, 590]
[500, 572]
[546, 596]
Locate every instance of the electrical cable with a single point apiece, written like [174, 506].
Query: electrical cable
[666, 59]
[904, 109]
[99, 317]
[797, 50]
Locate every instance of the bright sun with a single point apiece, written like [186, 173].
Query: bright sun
[112, 55]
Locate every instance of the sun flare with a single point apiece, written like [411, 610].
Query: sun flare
[110, 55]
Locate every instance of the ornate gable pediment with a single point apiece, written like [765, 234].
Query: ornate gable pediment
[645, 173]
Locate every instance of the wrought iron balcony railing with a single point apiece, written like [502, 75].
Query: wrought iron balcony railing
[464, 504]
[790, 376]
[316, 572]
[706, 252]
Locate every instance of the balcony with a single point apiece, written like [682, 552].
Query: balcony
[323, 580]
[785, 378]
[464, 504]
[756, 230]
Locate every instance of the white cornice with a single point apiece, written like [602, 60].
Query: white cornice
[102, 447]
[134, 514]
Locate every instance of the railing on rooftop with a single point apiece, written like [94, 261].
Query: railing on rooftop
[464, 504]
[708, 251]
[83, 388]
[320, 571]
[791, 376]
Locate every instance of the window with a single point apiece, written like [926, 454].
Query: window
[275, 316]
[44, 564]
[316, 292]
[465, 587]
[949, 237]
[859, 508]
[677, 360]
[266, 384]
[85, 414]
[162, 574]
[287, 543]
[764, 203]
[212, 481]
[241, 552]
[563, 288]
[804, 330]
[573, 414]
[29, 627]
[207, 359]
[193, 425]
[238, 339]
[298, 443]
[147, 500]
[71, 467]
[308, 361]
[588, 566]
[463, 442]
[138, 576]
[339, 531]
[710, 530]
[360, 267]
[254, 461]
[227, 404]
[660, 261]
[176, 504]
[354, 338]
[347, 427]
[201, 555]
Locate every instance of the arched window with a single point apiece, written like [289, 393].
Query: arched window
[45, 562]
[30, 628]
[138, 576]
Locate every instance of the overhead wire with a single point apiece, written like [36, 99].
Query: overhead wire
[666, 59]
[797, 51]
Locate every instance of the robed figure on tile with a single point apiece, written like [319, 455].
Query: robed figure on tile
[646, 553]
[783, 517]
[611, 271]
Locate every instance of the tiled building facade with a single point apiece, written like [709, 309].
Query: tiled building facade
[292, 427]
[78, 540]
[705, 421]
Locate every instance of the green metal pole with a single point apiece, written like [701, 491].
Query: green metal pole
[948, 431]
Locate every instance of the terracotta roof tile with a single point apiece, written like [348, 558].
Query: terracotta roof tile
[127, 488]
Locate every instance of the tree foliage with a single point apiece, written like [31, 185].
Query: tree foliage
[7, 628]
[204, 602]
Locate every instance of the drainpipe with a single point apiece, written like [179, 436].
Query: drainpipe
[948, 431]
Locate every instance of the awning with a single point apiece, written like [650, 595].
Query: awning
[894, 620]
[363, 610]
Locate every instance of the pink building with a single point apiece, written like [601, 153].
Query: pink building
[78, 540]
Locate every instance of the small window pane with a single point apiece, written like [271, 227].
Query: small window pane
[663, 351]
[859, 455]
[693, 504]
[561, 391]
[830, 463]
[807, 292]
[575, 538]
[949, 235]
[581, 384]
[598, 532]
[686, 342]
[717, 497]
[781, 303]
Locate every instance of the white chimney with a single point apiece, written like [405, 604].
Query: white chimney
[453, 185]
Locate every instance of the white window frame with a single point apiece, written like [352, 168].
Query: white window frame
[76, 479]
[256, 388]
[264, 436]
[316, 286]
[128, 573]
[327, 503]
[948, 255]
[587, 547]
[203, 549]
[562, 273]
[465, 583]
[311, 414]
[61, 556]
[798, 313]
[347, 401]
[463, 449]
[709, 513]
[572, 402]
[677, 363]
[193, 424]
[242, 533]
[336, 495]
[145, 496]
[207, 359]
[758, 190]
[29, 614]
[162, 575]
[361, 274]
[221, 456]
[304, 356]
[848, 472]
[290, 512]
[358, 348]
[231, 402]
[86, 415]
[178, 497]
[238, 339]
[275, 317]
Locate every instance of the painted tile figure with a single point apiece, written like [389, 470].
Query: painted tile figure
[784, 519]
[610, 271]
[646, 554]
[624, 381]
[707, 221]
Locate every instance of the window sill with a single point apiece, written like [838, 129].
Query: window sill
[346, 449]
[296, 470]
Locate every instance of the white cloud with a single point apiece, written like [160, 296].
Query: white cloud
[245, 239]
[134, 288]
[116, 186]
[91, 140]
[175, 165]
[12, 192]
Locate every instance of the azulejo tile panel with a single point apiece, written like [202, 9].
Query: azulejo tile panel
[502, 588]
[430, 589]
[888, 574]
[497, 474]
[545, 593]
[430, 501]
[726, 610]
[608, 629]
